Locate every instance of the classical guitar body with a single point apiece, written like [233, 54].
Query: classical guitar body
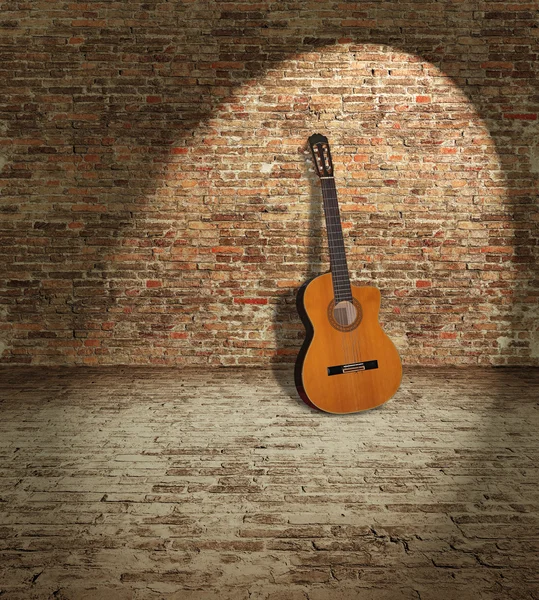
[344, 367]
[347, 363]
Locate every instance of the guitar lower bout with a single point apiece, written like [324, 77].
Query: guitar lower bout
[347, 363]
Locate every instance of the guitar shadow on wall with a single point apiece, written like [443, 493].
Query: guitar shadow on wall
[287, 326]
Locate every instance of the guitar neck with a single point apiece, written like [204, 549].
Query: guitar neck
[337, 254]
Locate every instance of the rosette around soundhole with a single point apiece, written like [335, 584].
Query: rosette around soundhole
[345, 315]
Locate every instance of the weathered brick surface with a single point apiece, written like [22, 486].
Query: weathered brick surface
[157, 207]
[143, 484]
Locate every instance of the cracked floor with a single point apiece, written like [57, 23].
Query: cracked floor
[152, 484]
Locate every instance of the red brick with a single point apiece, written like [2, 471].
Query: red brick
[493, 64]
[224, 64]
[250, 300]
[227, 250]
[89, 23]
[521, 116]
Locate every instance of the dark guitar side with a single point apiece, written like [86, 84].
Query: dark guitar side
[309, 332]
[325, 347]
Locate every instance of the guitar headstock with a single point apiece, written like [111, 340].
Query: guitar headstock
[322, 156]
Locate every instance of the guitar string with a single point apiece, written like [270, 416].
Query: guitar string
[350, 340]
[333, 268]
[334, 255]
[350, 337]
[341, 255]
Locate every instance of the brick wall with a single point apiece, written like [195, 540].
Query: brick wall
[157, 204]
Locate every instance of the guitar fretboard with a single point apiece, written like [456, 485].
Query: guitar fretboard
[337, 255]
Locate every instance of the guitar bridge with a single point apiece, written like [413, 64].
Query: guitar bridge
[353, 367]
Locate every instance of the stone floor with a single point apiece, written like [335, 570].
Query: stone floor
[139, 483]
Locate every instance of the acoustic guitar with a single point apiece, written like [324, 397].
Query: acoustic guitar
[347, 363]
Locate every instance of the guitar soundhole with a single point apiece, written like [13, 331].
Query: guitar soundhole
[345, 315]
